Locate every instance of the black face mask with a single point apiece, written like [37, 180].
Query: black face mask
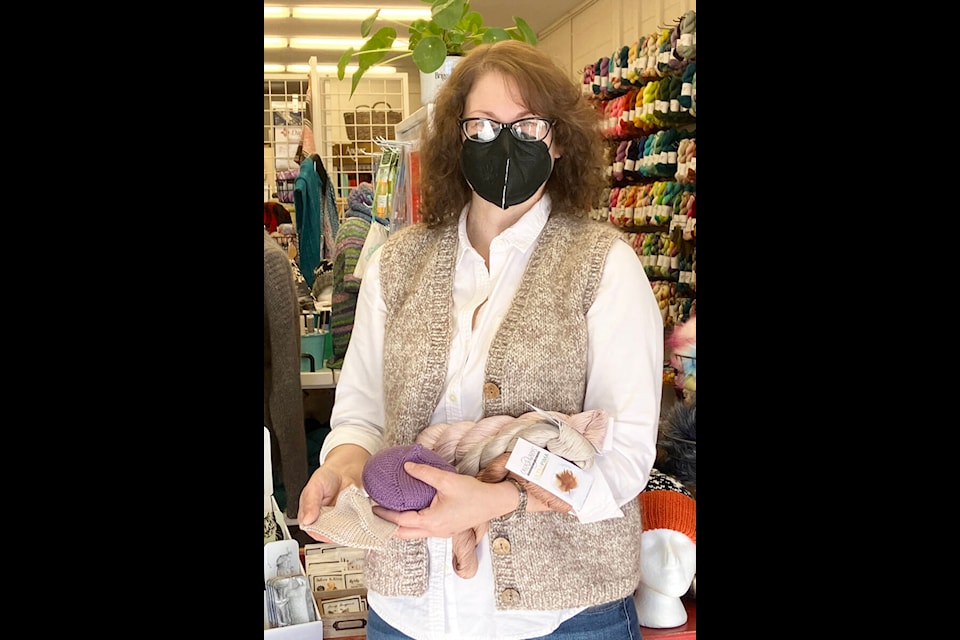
[505, 171]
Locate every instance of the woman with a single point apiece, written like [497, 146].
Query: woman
[505, 295]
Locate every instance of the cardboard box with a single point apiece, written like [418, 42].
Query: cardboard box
[336, 573]
[348, 625]
[306, 630]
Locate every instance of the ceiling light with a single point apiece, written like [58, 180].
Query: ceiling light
[276, 12]
[407, 14]
[375, 70]
[336, 44]
[332, 68]
[274, 42]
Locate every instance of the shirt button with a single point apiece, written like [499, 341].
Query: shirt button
[510, 597]
[491, 391]
[501, 546]
[452, 397]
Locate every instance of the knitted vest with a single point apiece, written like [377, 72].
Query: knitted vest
[543, 560]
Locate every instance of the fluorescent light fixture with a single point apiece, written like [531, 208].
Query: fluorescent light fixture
[272, 68]
[379, 70]
[276, 12]
[274, 42]
[332, 69]
[407, 14]
[337, 44]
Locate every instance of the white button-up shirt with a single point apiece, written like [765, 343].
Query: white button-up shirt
[624, 377]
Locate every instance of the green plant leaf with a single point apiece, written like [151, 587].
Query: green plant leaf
[495, 34]
[446, 13]
[367, 59]
[433, 29]
[471, 22]
[382, 39]
[356, 80]
[367, 25]
[452, 29]
[429, 54]
[342, 63]
[455, 41]
[372, 52]
[415, 32]
[375, 48]
[358, 74]
[525, 30]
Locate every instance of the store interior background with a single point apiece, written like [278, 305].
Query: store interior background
[574, 32]
[539, 14]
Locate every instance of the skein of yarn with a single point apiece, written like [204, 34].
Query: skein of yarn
[687, 42]
[482, 448]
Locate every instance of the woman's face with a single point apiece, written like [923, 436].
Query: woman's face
[495, 96]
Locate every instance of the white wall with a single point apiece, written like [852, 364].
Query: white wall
[598, 27]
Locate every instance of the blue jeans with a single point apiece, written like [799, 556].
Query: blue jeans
[616, 620]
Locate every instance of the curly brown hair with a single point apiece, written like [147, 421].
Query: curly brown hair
[577, 179]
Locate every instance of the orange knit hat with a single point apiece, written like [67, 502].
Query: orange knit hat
[666, 504]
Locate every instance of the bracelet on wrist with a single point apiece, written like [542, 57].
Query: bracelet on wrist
[522, 505]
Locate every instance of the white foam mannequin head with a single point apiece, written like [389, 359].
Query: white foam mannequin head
[668, 564]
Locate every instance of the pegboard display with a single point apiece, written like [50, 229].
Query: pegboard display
[345, 129]
[284, 106]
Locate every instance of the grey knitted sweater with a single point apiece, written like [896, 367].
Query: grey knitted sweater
[282, 395]
[543, 560]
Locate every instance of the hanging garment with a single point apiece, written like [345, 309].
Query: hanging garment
[282, 394]
[306, 200]
[329, 214]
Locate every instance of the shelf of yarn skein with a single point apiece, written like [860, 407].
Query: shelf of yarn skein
[630, 227]
[645, 98]
[666, 205]
[668, 254]
[627, 125]
[664, 255]
[666, 154]
[642, 110]
[657, 68]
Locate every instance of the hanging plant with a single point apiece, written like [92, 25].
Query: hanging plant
[453, 29]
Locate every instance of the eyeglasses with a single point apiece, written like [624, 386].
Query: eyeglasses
[524, 129]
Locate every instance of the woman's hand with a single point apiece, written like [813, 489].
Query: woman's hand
[342, 467]
[462, 502]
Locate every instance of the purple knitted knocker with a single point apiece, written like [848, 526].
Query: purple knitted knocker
[387, 484]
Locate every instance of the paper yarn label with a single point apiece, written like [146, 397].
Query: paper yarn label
[560, 477]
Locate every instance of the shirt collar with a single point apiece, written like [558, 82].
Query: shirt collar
[521, 234]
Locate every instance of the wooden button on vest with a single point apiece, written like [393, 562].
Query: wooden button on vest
[510, 597]
[501, 546]
[490, 391]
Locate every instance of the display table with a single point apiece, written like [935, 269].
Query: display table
[324, 379]
[686, 631]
